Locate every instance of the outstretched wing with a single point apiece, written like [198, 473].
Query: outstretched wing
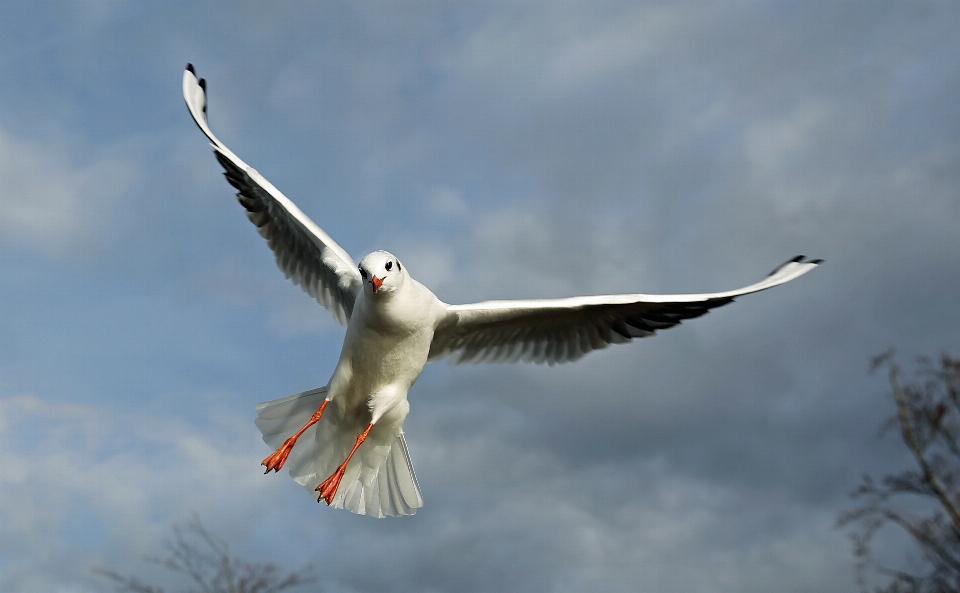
[306, 254]
[563, 330]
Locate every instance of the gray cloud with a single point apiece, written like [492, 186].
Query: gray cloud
[503, 150]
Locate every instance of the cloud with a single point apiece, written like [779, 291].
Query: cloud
[52, 202]
[85, 485]
[504, 151]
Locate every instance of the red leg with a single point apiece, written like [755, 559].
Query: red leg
[328, 489]
[279, 457]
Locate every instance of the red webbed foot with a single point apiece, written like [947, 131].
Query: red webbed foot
[328, 489]
[279, 457]
[276, 460]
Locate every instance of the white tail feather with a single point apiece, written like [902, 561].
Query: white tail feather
[379, 481]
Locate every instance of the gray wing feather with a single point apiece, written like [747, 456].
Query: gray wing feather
[304, 252]
[563, 330]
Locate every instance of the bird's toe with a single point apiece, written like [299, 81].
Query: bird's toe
[275, 460]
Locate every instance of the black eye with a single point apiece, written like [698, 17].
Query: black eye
[363, 273]
[389, 265]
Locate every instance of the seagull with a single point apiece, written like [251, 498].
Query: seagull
[354, 455]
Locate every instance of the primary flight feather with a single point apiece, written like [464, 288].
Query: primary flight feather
[354, 454]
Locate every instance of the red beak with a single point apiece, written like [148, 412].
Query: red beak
[377, 283]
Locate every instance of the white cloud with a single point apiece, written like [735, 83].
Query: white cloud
[53, 201]
[447, 202]
[86, 485]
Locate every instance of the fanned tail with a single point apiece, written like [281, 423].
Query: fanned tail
[379, 481]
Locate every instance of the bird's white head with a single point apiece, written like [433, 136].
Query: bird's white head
[382, 273]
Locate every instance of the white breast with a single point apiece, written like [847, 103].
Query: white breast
[387, 342]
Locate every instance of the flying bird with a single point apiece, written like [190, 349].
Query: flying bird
[352, 451]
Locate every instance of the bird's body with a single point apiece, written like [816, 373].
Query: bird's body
[385, 349]
[395, 325]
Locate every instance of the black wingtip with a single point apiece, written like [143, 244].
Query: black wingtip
[797, 260]
[202, 81]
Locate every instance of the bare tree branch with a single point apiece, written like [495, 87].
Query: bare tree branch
[205, 559]
[907, 419]
[928, 416]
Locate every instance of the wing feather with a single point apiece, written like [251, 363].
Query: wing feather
[304, 252]
[563, 330]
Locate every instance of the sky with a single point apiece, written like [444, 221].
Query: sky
[500, 150]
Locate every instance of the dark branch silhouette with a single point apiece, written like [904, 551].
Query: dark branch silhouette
[205, 559]
[928, 419]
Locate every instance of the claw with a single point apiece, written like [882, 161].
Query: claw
[328, 489]
[276, 460]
